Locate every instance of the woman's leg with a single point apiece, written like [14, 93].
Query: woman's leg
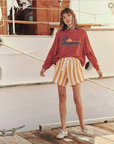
[62, 105]
[78, 102]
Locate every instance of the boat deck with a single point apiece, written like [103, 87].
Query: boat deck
[103, 134]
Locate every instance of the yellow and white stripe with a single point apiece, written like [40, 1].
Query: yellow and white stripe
[68, 68]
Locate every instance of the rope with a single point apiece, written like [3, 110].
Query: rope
[58, 9]
[53, 65]
[100, 84]
[23, 52]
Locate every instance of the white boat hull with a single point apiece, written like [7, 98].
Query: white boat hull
[34, 105]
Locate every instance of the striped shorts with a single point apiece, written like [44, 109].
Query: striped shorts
[68, 69]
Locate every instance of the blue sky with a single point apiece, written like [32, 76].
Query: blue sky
[93, 7]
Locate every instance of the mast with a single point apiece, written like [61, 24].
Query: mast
[13, 16]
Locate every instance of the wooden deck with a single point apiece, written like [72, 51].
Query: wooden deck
[103, 134]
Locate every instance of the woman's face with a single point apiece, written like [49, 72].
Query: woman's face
[67, 19]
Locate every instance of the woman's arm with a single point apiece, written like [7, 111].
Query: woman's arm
[52, 52]
[90, 53]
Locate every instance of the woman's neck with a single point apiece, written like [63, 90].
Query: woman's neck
[71, 26]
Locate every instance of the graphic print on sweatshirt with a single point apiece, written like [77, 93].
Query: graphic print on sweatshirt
[68, 42]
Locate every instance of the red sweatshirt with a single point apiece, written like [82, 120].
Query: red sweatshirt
[73, 43]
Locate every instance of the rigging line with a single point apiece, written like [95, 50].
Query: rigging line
[100, 84]
[58, 9]
[23, 52]
[91, 13]
[53, 65]
[103, 14]
[84, 12]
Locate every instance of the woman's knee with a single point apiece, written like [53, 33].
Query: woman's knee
[62, 93]
[62, 97]
[77, 100]
[77, 93]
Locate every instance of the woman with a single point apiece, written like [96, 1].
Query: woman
[68, 52]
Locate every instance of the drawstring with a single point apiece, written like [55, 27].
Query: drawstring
[66, 61]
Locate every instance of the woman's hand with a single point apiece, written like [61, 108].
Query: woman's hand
[42, 72]
[99, 73]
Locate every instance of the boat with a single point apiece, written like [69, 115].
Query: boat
[31, 100]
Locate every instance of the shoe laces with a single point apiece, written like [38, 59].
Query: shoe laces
[89, 131]
[61, 131]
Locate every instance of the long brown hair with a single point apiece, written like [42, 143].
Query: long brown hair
[62, 26]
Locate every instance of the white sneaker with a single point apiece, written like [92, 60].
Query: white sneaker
[87, 131]
[62, 134]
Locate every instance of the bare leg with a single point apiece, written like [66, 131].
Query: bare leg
[78, 102]
[62, 105]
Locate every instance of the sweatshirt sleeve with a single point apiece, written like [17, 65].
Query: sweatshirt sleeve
[90, 53]
[52, 52]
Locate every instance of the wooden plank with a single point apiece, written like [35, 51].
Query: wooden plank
[112, 123]
[99, 131]
[105, 126]
[1, 142]
[29, 135]
[36, 22]
[101, 140]
[47, 136]
[4, 29]
[26, 22]
[37, 136]
[96, 130]
[103, 134]
[15, 139]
